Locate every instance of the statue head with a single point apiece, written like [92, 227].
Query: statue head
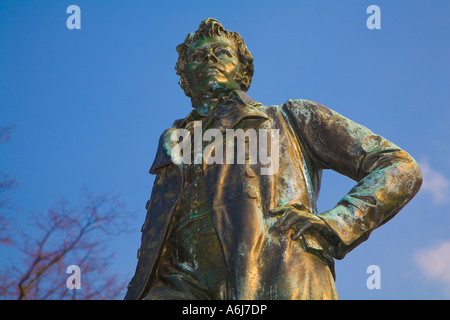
[213, 59]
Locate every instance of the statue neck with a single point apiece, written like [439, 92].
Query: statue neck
[206, 103]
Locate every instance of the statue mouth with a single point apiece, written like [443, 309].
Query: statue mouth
[211, 71]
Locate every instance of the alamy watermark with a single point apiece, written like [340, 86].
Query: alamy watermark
[374, 21]
[374, 280]
[74, 280]
[236, 147]
[74, 20]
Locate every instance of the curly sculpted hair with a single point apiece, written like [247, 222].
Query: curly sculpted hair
[213, 28]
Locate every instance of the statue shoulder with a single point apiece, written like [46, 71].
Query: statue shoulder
[306, 109]
[164, 153]
[305, 104]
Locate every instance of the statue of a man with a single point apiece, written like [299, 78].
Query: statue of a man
[228, 229]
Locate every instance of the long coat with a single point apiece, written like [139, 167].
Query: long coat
[261, 263]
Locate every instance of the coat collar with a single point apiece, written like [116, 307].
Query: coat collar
[237, 111]
[229, 113]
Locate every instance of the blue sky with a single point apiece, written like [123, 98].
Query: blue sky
[89, 106]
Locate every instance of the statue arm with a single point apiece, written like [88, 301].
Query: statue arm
[387, 176]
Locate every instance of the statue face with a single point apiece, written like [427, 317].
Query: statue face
[212, 66]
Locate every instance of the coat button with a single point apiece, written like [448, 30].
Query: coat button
[194, 203]
[252, 194]
[250, 173]
[363, 226]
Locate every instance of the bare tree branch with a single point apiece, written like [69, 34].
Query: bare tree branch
[7, 183]
[62, 235]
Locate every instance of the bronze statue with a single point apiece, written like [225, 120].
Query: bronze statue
[224, 226]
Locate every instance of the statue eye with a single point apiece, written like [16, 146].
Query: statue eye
[196, 56]
[223, 52]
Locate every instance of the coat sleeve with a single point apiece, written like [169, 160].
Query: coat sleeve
[387, 176]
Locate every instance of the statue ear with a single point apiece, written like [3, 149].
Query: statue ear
[243, 78]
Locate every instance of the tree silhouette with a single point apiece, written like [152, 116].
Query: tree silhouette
[64, 236]
[61, 236]
[7, 183]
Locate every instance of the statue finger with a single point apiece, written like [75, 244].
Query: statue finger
[287, 221]
[279, 210]
[306, 226]
[281, 220]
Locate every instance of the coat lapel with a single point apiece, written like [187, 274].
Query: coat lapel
[165, 149]
[239, 111]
